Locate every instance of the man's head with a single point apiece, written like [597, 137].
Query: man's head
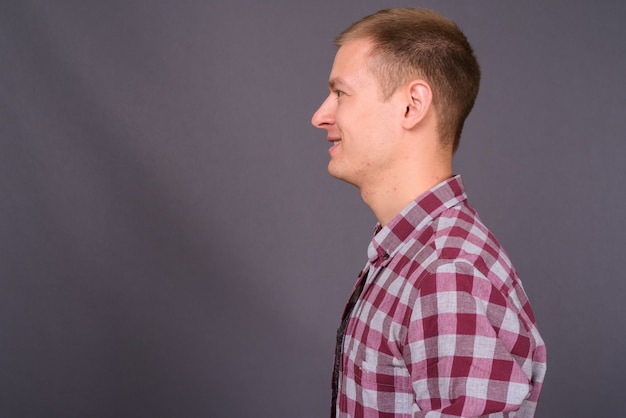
[414, 43]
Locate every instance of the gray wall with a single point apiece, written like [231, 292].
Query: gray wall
[172, 246]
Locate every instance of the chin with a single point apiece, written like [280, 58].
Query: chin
[342, 176]
[334, 171]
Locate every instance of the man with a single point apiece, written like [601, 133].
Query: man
[438, 324]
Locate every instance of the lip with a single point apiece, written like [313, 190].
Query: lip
[333, 146]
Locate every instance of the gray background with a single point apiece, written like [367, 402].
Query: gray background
[172, 246]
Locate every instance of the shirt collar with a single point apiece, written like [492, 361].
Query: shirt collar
[414, 219]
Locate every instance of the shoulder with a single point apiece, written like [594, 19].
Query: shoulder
[464, 246]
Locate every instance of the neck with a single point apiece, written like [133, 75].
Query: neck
[394, 191]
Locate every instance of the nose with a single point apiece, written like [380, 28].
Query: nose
[324, 116]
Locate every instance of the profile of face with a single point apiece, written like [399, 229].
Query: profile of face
[362, 127]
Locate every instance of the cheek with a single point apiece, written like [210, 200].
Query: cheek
[352, 118]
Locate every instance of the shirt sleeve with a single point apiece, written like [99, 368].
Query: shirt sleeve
[464, 341]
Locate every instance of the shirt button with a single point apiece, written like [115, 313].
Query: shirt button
[386, 256]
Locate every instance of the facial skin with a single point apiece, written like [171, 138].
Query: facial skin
[355, 115]
[390, 148]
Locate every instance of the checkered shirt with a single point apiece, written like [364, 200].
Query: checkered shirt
[443, 327]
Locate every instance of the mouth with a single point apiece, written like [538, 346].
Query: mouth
[334, 144]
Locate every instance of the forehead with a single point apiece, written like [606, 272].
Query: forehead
[350, 67]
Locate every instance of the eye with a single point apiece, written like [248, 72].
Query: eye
[339, 93]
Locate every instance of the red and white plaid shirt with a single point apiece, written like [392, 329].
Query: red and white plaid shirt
[442, 327]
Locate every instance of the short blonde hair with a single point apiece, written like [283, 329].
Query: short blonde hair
[410, 43]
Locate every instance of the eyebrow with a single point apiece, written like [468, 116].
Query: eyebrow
[334, 83]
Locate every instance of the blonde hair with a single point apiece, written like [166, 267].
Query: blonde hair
[416, 43]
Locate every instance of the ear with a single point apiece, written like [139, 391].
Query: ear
[419, 98]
